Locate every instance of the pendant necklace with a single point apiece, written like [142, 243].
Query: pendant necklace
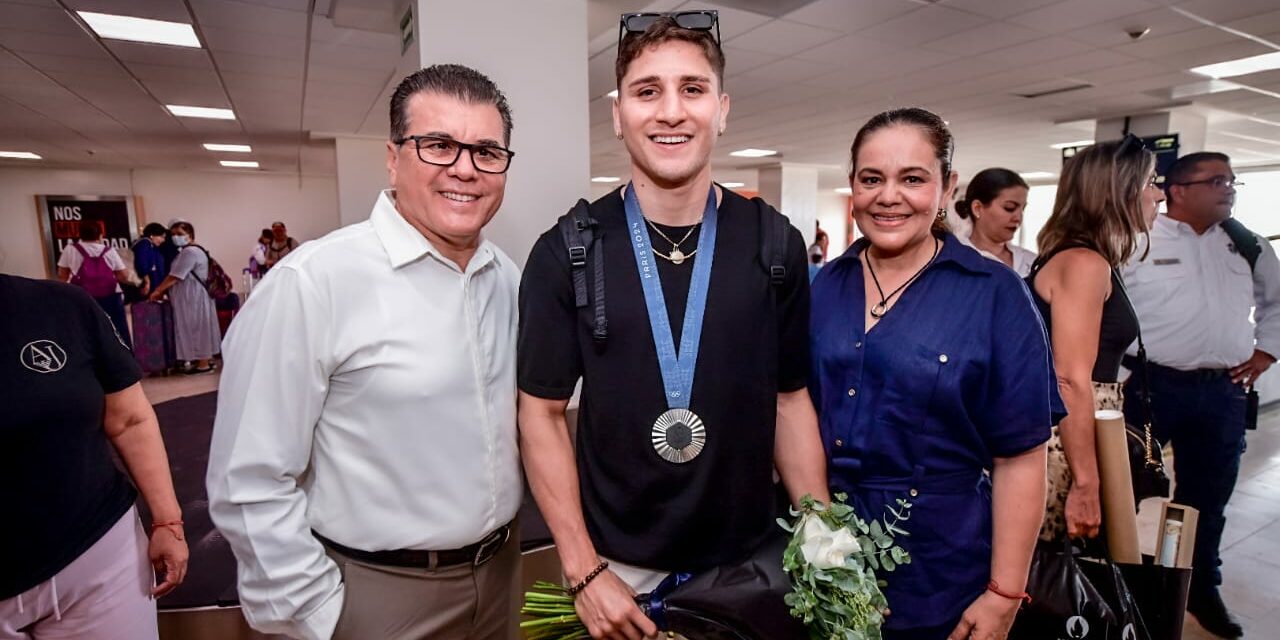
[882, 307]
[676, 256]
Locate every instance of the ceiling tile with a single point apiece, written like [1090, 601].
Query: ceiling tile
[846, 17]
[998, 9]
[78, 44]
[1113, 33]
[985, 37]
[1222, 12]
[921, 27]
[783, 38]
[1068, 15]
[255, 18]
[850, 49]
[241, 40]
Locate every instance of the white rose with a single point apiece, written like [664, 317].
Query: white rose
[817, 537]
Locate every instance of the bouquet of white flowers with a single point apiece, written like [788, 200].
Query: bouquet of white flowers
[832, 559]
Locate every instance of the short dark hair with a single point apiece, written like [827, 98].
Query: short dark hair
[90, 230]
[1183, 167]
[985, 186]
[266, 233]
[664, 30]
[185, 226]
[154, 229]
[934, 128]
[454, 80]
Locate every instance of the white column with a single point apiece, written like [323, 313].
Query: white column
[362, 173]
[793, 190]
[536, 52]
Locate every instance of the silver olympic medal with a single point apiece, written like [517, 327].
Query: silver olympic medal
[679, 435]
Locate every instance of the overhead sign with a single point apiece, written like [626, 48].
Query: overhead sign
[62, 216]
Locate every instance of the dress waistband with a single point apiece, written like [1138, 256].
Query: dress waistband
[954, 482]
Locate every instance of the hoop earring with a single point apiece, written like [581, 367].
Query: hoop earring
[942, 214]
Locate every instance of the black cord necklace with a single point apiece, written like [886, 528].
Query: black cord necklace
[882, 307]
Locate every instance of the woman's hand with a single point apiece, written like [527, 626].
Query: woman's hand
[156, 296]
[168, 553]
[988, 618]
[1084, 511]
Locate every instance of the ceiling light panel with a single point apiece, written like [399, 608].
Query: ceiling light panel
[200, 112]
[113, 27]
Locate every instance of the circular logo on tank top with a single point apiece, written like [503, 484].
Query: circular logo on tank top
[43, 356]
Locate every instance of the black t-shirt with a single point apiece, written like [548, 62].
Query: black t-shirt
[59, 356]
[640, 508]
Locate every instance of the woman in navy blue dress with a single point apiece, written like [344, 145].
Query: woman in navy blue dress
[934, 384]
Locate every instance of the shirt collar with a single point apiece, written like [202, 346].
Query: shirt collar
[404, 244]
[953, 251]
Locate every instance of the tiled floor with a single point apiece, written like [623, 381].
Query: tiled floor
[1251, 541]
[165, 388]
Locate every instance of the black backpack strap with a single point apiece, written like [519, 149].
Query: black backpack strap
[578, 228]
[774, 228]
[1245, 241]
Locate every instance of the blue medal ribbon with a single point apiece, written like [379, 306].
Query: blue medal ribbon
[677, 368]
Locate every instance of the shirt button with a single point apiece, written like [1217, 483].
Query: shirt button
[943, 358]
[853, 392]
[857, 345]
[839, 442]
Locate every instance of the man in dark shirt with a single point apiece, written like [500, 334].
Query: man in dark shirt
[675, 449]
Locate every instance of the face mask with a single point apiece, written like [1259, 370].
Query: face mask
[181, 241]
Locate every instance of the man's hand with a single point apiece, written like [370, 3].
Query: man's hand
[1248, 372]
[156, 296]
[988, 618]
[1084, 511]
[608, 608]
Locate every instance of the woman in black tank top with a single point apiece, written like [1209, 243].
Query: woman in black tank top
[1106, 199]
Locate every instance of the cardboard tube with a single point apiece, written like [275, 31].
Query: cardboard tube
[1119, 513]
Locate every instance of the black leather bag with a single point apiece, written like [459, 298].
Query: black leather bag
[740, 601]
[1146, 457]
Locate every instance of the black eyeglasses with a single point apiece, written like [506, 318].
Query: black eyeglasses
[701, 20]
[1217, 182]
[444, 152]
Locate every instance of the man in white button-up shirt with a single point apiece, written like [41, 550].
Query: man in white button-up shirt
[364, 464]
[1193, 295]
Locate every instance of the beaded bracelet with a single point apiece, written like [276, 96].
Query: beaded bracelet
[177, 533]
[994, 587]
[577, 588]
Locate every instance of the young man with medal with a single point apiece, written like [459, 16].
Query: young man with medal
[693, 373]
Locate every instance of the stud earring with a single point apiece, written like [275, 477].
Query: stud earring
[618, 134]
[942, 214]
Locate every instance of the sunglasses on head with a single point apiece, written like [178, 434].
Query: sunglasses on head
[701, 20]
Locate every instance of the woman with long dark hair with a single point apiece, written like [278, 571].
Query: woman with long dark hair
[932, 378]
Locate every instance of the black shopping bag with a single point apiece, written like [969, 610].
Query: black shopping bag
[1161, 594]
[1076, 599]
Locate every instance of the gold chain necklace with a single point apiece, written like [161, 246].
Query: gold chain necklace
[676, 256]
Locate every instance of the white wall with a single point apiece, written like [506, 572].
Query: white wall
[362, 174]
[228, 210]
[546, 86]
[833, 217]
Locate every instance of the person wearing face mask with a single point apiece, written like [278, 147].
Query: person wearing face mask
[196, 336]
[1107, 199]
[364, 466]
[1194, 292]
[675, 446]
[946, 409]
[994, 202]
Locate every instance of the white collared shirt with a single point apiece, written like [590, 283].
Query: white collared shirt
[1023, 259]
[1193, 294]
[369, 394]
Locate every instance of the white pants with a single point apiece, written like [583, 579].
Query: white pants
[105, 594]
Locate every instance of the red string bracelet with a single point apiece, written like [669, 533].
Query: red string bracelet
[177, 533]
[994, 587]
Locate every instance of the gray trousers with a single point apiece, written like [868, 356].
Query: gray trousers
[461, 602]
